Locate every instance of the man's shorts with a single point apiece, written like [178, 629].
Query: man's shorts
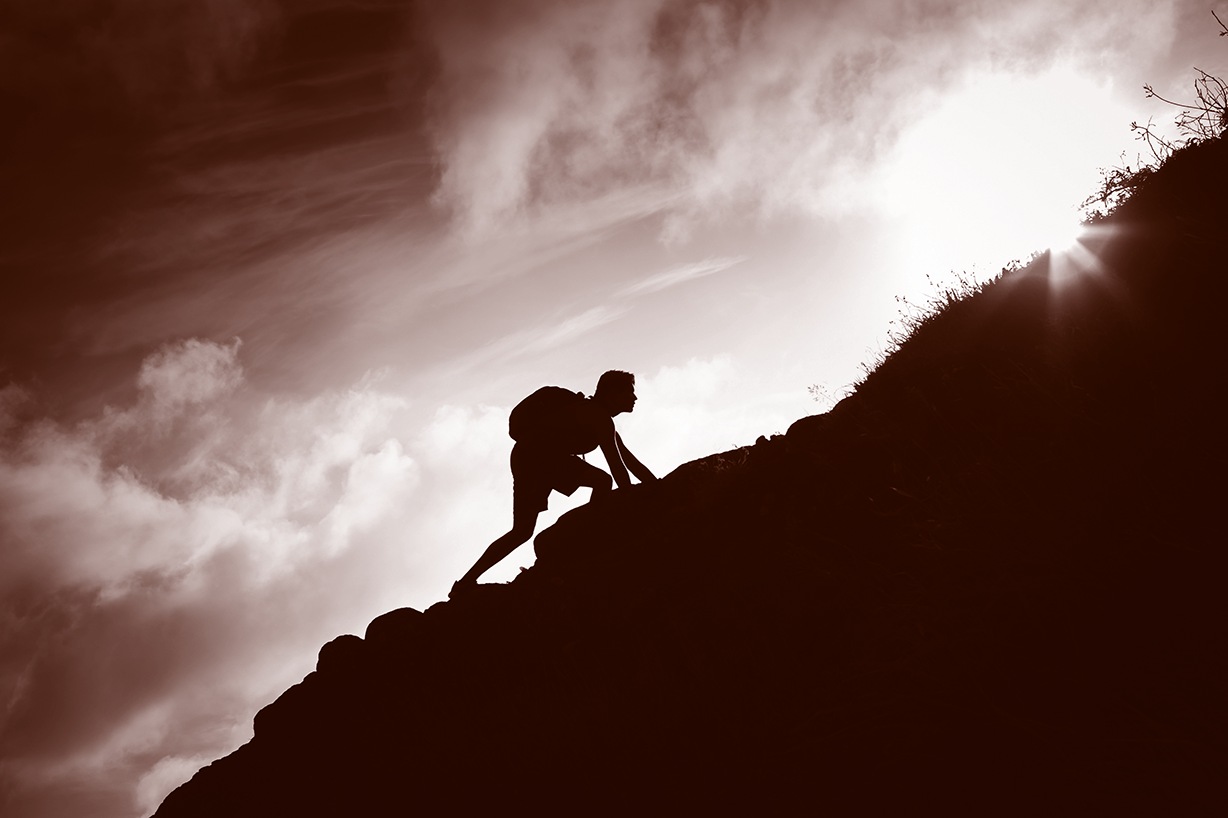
[536, 472]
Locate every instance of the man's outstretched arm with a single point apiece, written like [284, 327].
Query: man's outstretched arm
[609, 448]
[637, 468]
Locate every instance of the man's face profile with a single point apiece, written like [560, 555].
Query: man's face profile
[624, 399]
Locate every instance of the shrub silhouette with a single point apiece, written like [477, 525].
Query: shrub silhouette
[1202, 120]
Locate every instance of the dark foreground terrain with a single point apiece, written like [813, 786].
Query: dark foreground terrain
[991, 582]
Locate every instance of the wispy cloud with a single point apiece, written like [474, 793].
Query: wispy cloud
[682, 273]
[566, 331]
[189, 46]
[541, 339]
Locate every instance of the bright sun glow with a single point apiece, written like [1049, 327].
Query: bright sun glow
[995, 170]
[1062, 237]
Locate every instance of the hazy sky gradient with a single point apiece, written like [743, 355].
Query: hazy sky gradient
[276, 272]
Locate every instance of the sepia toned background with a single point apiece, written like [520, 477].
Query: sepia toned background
[275, 272]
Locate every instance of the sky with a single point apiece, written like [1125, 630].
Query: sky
[275, 273]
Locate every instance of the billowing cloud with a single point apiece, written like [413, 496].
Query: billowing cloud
[187, 373]
[778, 104]
[173, 564]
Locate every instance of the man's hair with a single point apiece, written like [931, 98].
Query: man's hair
[615, 380]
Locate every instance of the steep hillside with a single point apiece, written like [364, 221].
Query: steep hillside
[990, 582]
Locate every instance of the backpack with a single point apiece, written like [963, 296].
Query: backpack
[551, 417]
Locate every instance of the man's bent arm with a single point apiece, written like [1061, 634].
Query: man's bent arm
[637, 468]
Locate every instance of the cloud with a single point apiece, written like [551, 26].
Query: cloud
[466, 484]
[189, 372]
[540, 339]
[166, 775]
[779, 105]
[142, 50]
[184, 167]
[170, 566]
[682, 273]
[149, 602]
[703, 406]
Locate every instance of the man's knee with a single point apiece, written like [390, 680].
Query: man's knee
[523, 525]
[602, 482]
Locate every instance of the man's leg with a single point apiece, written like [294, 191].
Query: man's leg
[523, 523]
[599, 481]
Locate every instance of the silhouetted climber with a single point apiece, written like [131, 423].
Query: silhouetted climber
[551, 428]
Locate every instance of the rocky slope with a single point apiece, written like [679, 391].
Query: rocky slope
[988, 583]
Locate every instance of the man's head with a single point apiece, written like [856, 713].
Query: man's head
[616, 391]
